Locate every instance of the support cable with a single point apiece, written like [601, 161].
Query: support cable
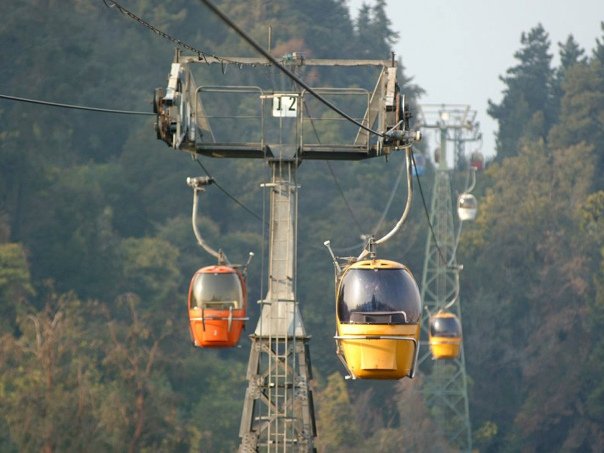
[333, 175]
[73, 106]
[335, 180]
[350, 210]
[283, 69]
[163, 34]
[223, 190]
[421, 192]
[251, 42]
[468, 189]
[395, 187]
[123, 112]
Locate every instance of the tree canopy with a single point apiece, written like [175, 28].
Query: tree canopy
[96, 248]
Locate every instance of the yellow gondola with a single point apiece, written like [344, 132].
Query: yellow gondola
[378, 308]
[445, 335]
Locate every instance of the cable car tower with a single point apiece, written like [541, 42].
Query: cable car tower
[277, 125]
[445, 381]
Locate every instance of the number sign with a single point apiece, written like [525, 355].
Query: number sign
[285, 105]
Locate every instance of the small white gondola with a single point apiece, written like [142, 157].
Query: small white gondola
[467, 207]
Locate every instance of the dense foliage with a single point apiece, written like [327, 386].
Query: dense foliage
[535, 257]
[96, 247]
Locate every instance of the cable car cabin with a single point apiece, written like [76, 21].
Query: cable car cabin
[378, 320]
[477, 160]
[467, 206]
[445, 336]
[420, 165]
[217, 307]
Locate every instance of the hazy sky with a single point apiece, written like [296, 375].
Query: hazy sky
[457, 49]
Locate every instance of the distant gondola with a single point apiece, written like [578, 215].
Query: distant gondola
[467, 207]
[477, 160]
[445, 335]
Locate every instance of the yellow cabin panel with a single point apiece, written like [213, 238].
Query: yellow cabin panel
[447, 348]
[373, 358]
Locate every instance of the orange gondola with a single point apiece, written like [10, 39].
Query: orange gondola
[217, 306]
[445, 335]
[217, 301]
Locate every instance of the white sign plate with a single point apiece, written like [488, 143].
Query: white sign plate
[285, 105]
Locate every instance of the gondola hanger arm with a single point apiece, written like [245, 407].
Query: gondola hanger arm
[372, 242]
[473, 183]
[197, 184]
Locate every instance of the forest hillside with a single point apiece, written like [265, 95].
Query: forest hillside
[96, 247]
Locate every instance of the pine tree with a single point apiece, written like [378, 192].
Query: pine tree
[381, 29]
[570, 54]
[363, 31]
[598, 52]
[582, 107]
[528, 91]
[375, 36]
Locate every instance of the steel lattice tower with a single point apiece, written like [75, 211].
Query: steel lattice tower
[445, 381]
[278, 413]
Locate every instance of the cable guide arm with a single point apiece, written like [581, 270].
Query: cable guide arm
[197, 184]
[371, 241]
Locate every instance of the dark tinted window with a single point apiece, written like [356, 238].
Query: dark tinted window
[219, 291]
[445, 327]
[468, 202]
[387, 296]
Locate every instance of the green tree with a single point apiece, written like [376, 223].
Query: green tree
[528, 92]
[49, 381]
[375, 36]
[336, 424]
[138, 409]
[70, 232]
[15, 283]
[598, 51]
[581, 118]
[540, 291]
[592, 219]
[221, 387]
[570, 54]
[418, 431]
[150, 271]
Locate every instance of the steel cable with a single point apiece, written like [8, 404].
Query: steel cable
[73, 106]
